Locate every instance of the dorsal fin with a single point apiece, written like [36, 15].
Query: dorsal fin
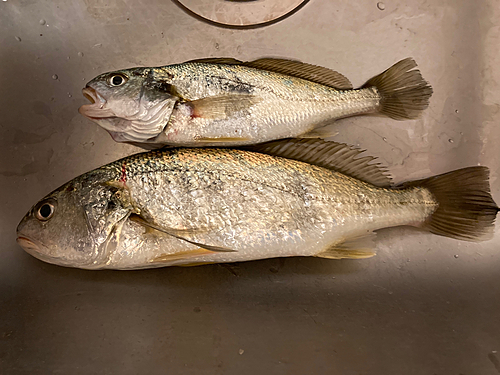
[335, 156]
[314, 73]
[216, 60]
[309, 72]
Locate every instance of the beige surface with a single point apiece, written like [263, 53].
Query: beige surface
[424, 305]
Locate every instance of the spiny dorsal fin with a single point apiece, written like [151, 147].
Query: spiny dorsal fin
[314, 73]
[335, 156]
[216, 60]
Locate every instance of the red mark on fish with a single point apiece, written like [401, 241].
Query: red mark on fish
[123, 177]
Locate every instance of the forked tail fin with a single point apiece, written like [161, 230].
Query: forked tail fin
[405, 94]
[466, 210]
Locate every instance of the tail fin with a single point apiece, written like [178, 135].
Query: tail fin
[405, 94]
[466, 210]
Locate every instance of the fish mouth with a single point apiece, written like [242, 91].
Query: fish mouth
[41, 252]
[28, 245]
[35, 250]
[94, 110]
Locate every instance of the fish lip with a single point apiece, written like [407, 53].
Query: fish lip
[94, 110]
[92, 95]
[35, 249]
[22, 239]
[30, 246]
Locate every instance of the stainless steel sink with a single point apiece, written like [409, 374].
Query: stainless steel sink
[423, 305]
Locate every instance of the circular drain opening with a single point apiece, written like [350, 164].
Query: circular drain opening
[242, 12]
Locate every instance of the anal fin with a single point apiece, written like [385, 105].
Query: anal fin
[167, 258]
[221, 140]
[195, 264]
[358, 247]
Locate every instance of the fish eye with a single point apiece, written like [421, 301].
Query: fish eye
[45, 210]
[117, 79]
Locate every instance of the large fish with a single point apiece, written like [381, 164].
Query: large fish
[196, 206]
[213, 102]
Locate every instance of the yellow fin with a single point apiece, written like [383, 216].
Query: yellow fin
[222, 106]
[335, 253]
[358, 247]
[194, 264]
[165, 258]
[322, 132]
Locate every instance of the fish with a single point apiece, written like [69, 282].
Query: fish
[227, 102]
[296, 197]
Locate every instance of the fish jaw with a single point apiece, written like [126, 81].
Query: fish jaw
[41, 252]
[29, 246]
[95, 110]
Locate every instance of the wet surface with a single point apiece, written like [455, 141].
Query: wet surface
[423, 305]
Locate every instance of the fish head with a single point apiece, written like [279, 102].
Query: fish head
[77, 225]
[131, 104]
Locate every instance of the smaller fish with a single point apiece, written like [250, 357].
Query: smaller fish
[227, 102]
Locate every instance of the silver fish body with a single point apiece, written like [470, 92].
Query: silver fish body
[197, 206]
[210, 103]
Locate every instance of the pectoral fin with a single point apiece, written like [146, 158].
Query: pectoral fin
[180, 234]
[223, 106]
